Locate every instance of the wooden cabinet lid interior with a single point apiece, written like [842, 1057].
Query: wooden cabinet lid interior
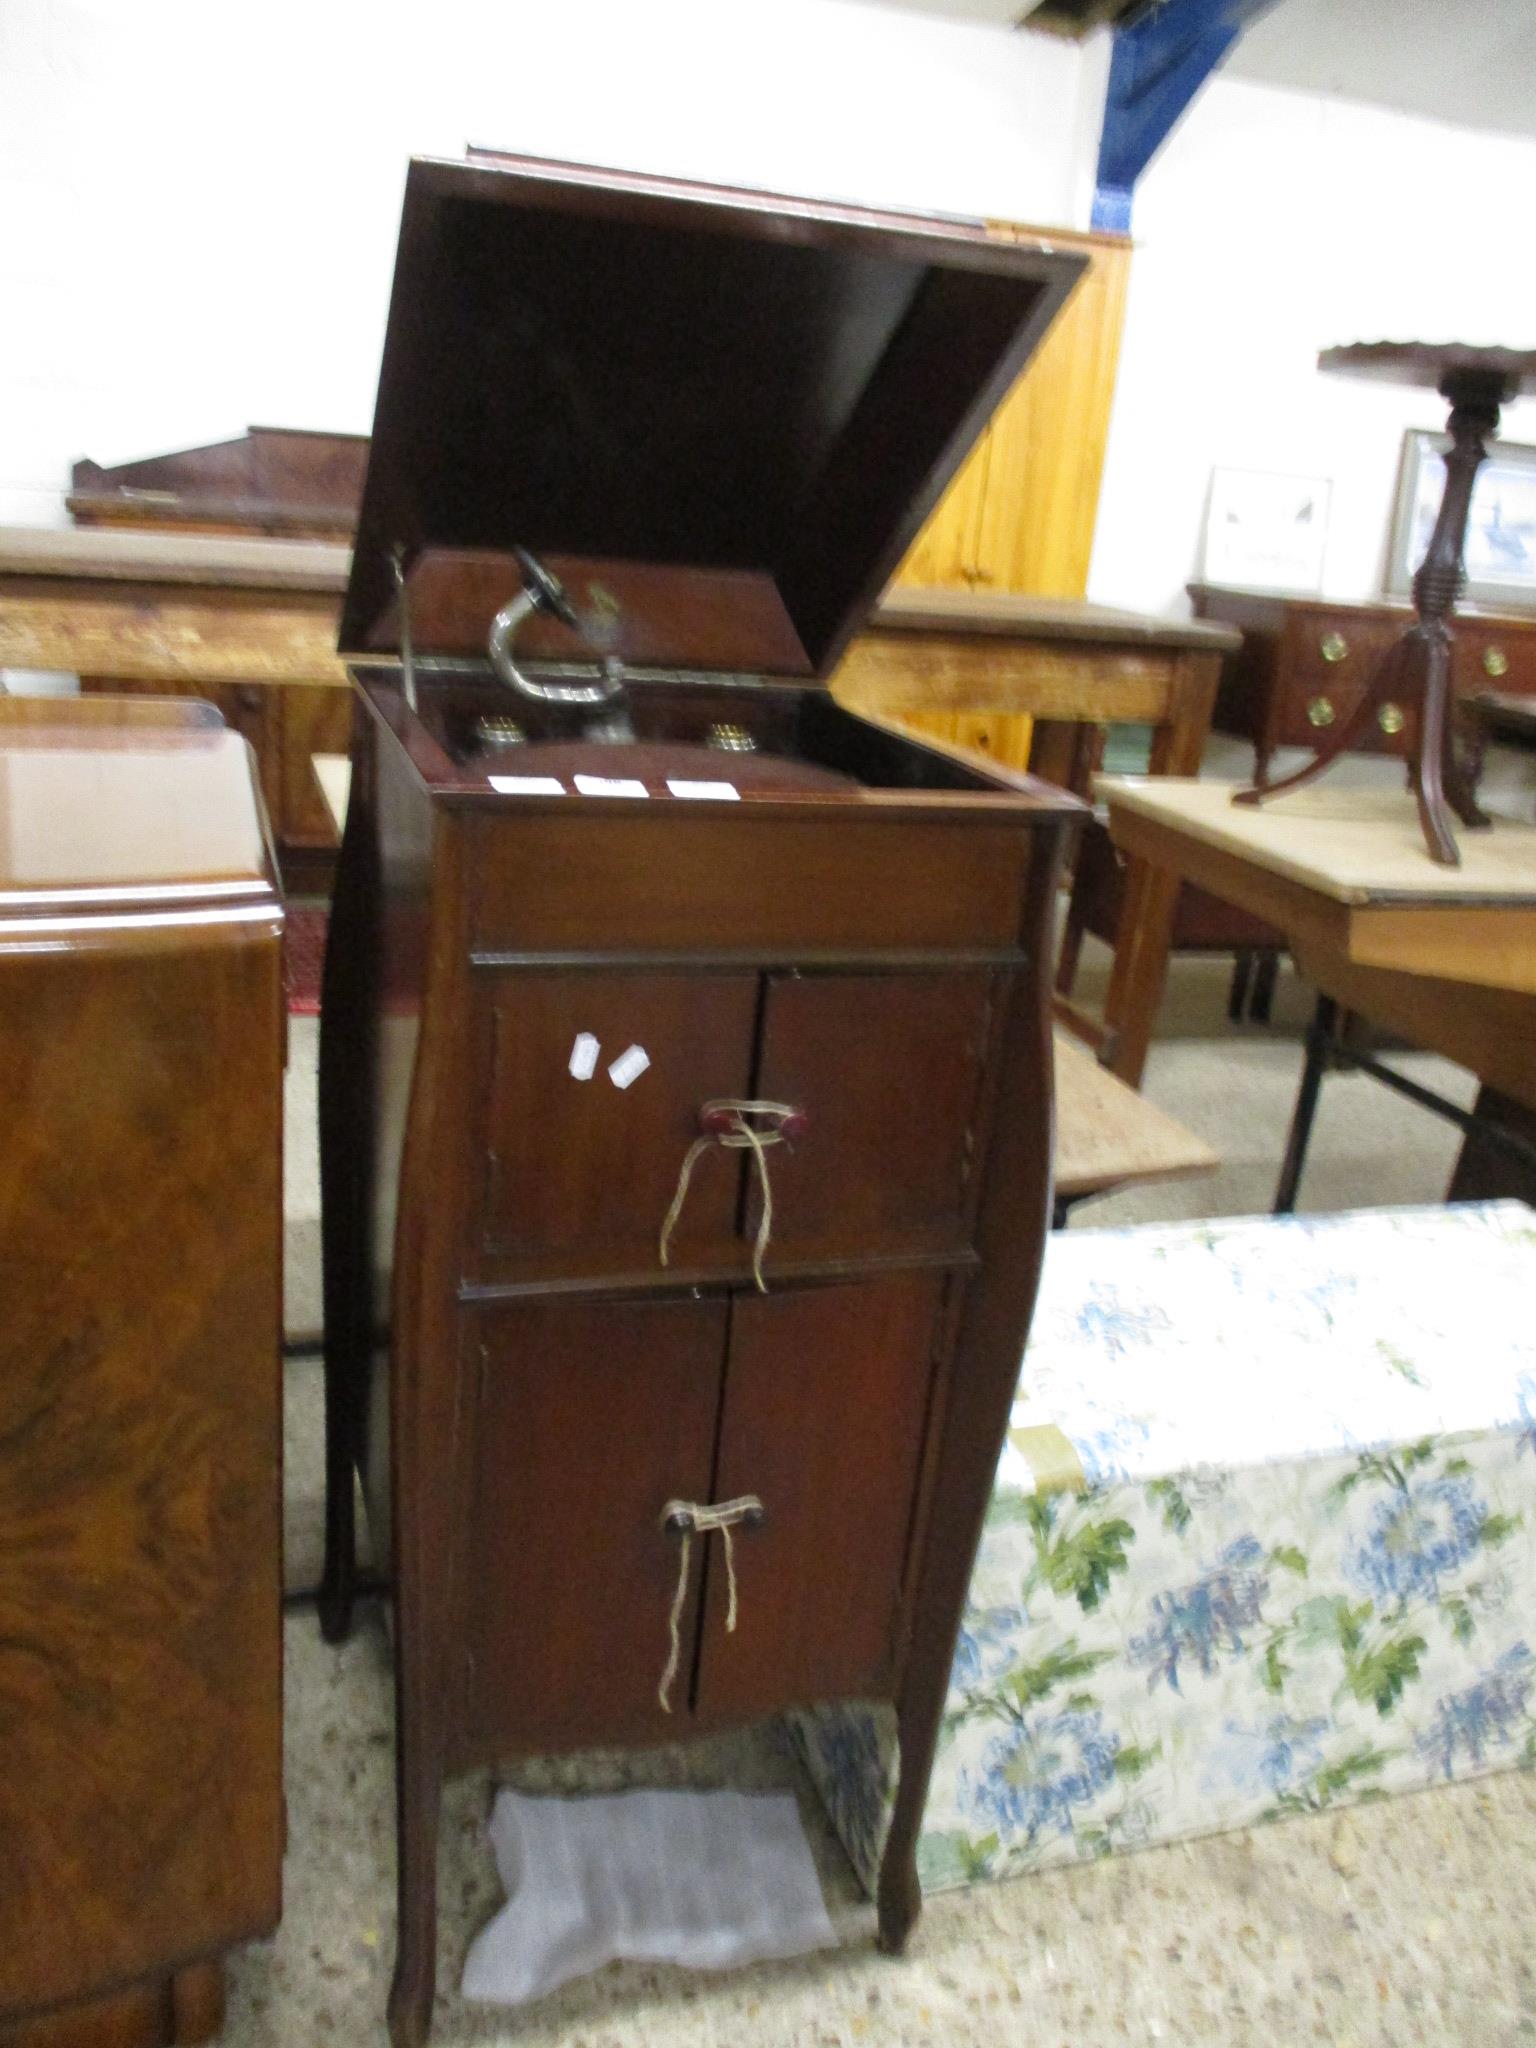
[720, 417]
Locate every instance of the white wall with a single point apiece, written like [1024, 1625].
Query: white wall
[198, 202]
[199, 199]
[1273, 224]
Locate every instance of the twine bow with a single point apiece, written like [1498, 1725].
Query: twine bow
[695, 1518]
[735, 1133]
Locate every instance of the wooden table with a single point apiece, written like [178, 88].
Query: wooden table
[1443, 957]
[1071, 667]
[250, 625]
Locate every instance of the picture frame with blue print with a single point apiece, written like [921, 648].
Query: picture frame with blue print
[1501, 530]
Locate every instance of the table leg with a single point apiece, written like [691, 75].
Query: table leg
[1141, 967]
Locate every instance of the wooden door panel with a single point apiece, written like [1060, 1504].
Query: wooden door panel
[591, 1417]
[579, 1174]
[888, 1069]
[826, 1404]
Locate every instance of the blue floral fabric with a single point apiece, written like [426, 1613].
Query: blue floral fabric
[1301, 1565]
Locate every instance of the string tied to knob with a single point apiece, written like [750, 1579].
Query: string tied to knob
[690, 1518]
[737, 1124]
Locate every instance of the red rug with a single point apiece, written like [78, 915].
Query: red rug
[304, 956]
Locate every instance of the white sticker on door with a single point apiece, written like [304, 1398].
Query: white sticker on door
[629, 1066]
[584, 1056]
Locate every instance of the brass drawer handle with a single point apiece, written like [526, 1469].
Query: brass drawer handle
[1333, 647]
[1320, 711]
[1391, 718]
[1495, 661]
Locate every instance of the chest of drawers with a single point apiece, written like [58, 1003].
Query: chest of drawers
[1304, 664]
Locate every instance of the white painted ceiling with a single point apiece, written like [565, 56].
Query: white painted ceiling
[1468, 61]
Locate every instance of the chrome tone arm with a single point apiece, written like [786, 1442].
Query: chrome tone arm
[544, 593]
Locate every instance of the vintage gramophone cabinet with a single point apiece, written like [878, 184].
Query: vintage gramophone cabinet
[632, 1005]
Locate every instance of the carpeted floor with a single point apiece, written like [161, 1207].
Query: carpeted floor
[1406, 1922]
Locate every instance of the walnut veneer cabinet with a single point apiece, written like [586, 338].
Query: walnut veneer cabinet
[564, 974]
[1305, 662]
[140, 1232]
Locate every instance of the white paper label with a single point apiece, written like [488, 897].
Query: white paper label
[610, 785]
[527, 785]
[584, 1056]
[629, 1066]
[726, 790]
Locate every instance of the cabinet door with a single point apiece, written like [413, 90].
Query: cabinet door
[888, 1069]
[826, 1408]
[591, 1417]
[579, 1174]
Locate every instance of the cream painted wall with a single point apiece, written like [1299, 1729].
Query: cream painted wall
[198, 202]
[1273, 224]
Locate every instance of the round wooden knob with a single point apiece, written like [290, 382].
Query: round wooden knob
[1495, 661]
[1333, 647]
[717, 1123]
[1391, 718]
[794, 1126]
[1320, 711]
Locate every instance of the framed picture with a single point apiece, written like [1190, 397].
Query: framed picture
[1501, 531]
[1264, 531]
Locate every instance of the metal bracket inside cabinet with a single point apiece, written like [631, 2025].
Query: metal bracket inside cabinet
[407, 657]
[1161, 58]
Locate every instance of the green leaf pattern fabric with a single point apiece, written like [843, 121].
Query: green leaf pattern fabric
[1301, 1572]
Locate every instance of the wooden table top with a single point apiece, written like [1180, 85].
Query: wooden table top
[117, 554]
[1345, 875]
[1355, 846]
[1046, 618]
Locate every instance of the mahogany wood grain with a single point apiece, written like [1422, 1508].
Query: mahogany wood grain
[140, 1054]
[914, 903]
[276, 480]
[824, 1413]
[578, 1174]
[750, 879]
[589, 1418]
[888, 1071]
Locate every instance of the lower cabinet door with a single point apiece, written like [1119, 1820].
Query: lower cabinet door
[591, 1417]
[826, 1410]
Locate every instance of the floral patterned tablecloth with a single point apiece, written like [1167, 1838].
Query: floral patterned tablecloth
[1263, 1541]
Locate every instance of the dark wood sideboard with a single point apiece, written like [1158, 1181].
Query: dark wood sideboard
[1305, 661]
[141, 1038]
